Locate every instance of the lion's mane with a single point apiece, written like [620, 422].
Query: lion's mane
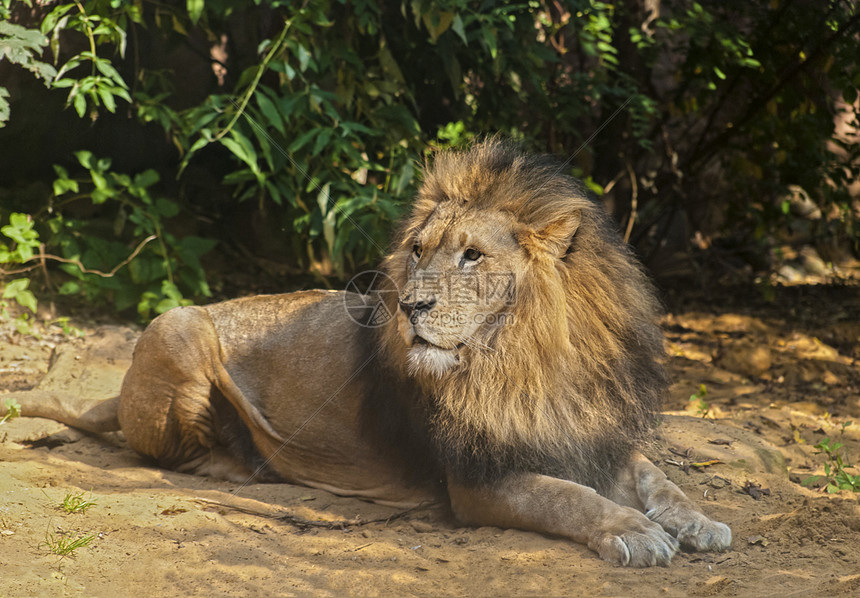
[573, 382]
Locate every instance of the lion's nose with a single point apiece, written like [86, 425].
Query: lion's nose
[417, 307]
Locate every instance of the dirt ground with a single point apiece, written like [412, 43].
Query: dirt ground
[780, 377]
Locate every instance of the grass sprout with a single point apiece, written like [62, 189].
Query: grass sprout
[65, 545]
[77, 503]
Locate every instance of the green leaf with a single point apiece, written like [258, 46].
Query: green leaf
[17, 290]
[304, 57]
[70, 65]
[52, 18]
[147, 302]
[198, 145]
[195, 9]
[105, 67]
[197, 246]
[302, 140]
[267, 107]
[321, 141]
[459, 29]
[63, 83]
[107, 99]
[241, 147]
[437, 23]
[80, 104]
[70, 287]
[20, 45]
[407, 173]
[61, 186]
[274, 193]
[27, 299]
[145, 179]
[14, 287]
[13, 409]
[166, 208]
[121, 93]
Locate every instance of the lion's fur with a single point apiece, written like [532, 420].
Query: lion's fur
[573, 382]
[510, 420]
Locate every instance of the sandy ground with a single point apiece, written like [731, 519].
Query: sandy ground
[778, 383]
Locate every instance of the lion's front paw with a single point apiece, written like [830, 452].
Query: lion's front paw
[693, 529]
[634, 541]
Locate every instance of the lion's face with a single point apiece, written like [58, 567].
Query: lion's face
[524, 326]
[460, 285]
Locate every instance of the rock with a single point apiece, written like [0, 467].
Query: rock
[749, 358]
[740, 450]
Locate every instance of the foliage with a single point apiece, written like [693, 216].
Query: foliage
[66, 545]
[13, 410]
[334, 159]
[75, 502]
[697, 400]
[24, 241]
[311, 118]
[103, 84]
[20, 45]
[159, 273]
[835, 477]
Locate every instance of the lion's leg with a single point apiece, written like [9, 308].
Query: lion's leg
[550, 505]
[169, 408]
[643, 486]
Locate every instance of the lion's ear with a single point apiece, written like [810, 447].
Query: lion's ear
[554, 238]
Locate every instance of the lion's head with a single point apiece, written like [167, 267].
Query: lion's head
[523, 318]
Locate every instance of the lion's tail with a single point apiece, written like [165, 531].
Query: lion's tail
[90, 415]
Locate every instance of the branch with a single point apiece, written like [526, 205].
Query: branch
[42, 256]
[762, 101]
[634, 202]
[305, 523]
[253, 86]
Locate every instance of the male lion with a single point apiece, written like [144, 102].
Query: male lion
[518, 373]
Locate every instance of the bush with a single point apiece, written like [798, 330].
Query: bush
[313, 117]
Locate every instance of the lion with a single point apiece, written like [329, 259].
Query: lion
[507, 361]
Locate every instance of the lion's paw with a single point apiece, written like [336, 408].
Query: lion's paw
[634, 541]
[693, 529]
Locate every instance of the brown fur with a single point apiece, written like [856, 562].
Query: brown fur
[574, 382]
[514, 421]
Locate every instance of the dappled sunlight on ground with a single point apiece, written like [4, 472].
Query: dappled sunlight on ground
[778, 378]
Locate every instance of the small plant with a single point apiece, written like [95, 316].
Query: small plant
[64, 545]
[67, 327]
[835, 477]
[697, 400]
[76, 503]
[103, 85]
[24, 243]
[158, 275]
[13, 410]
[23, 47]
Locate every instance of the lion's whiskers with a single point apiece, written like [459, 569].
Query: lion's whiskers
[473, 343]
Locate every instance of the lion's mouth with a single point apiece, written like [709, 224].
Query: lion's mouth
[432, 359]
[420, 340]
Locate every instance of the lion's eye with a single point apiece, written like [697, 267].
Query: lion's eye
[472, 254]
[416, 251]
